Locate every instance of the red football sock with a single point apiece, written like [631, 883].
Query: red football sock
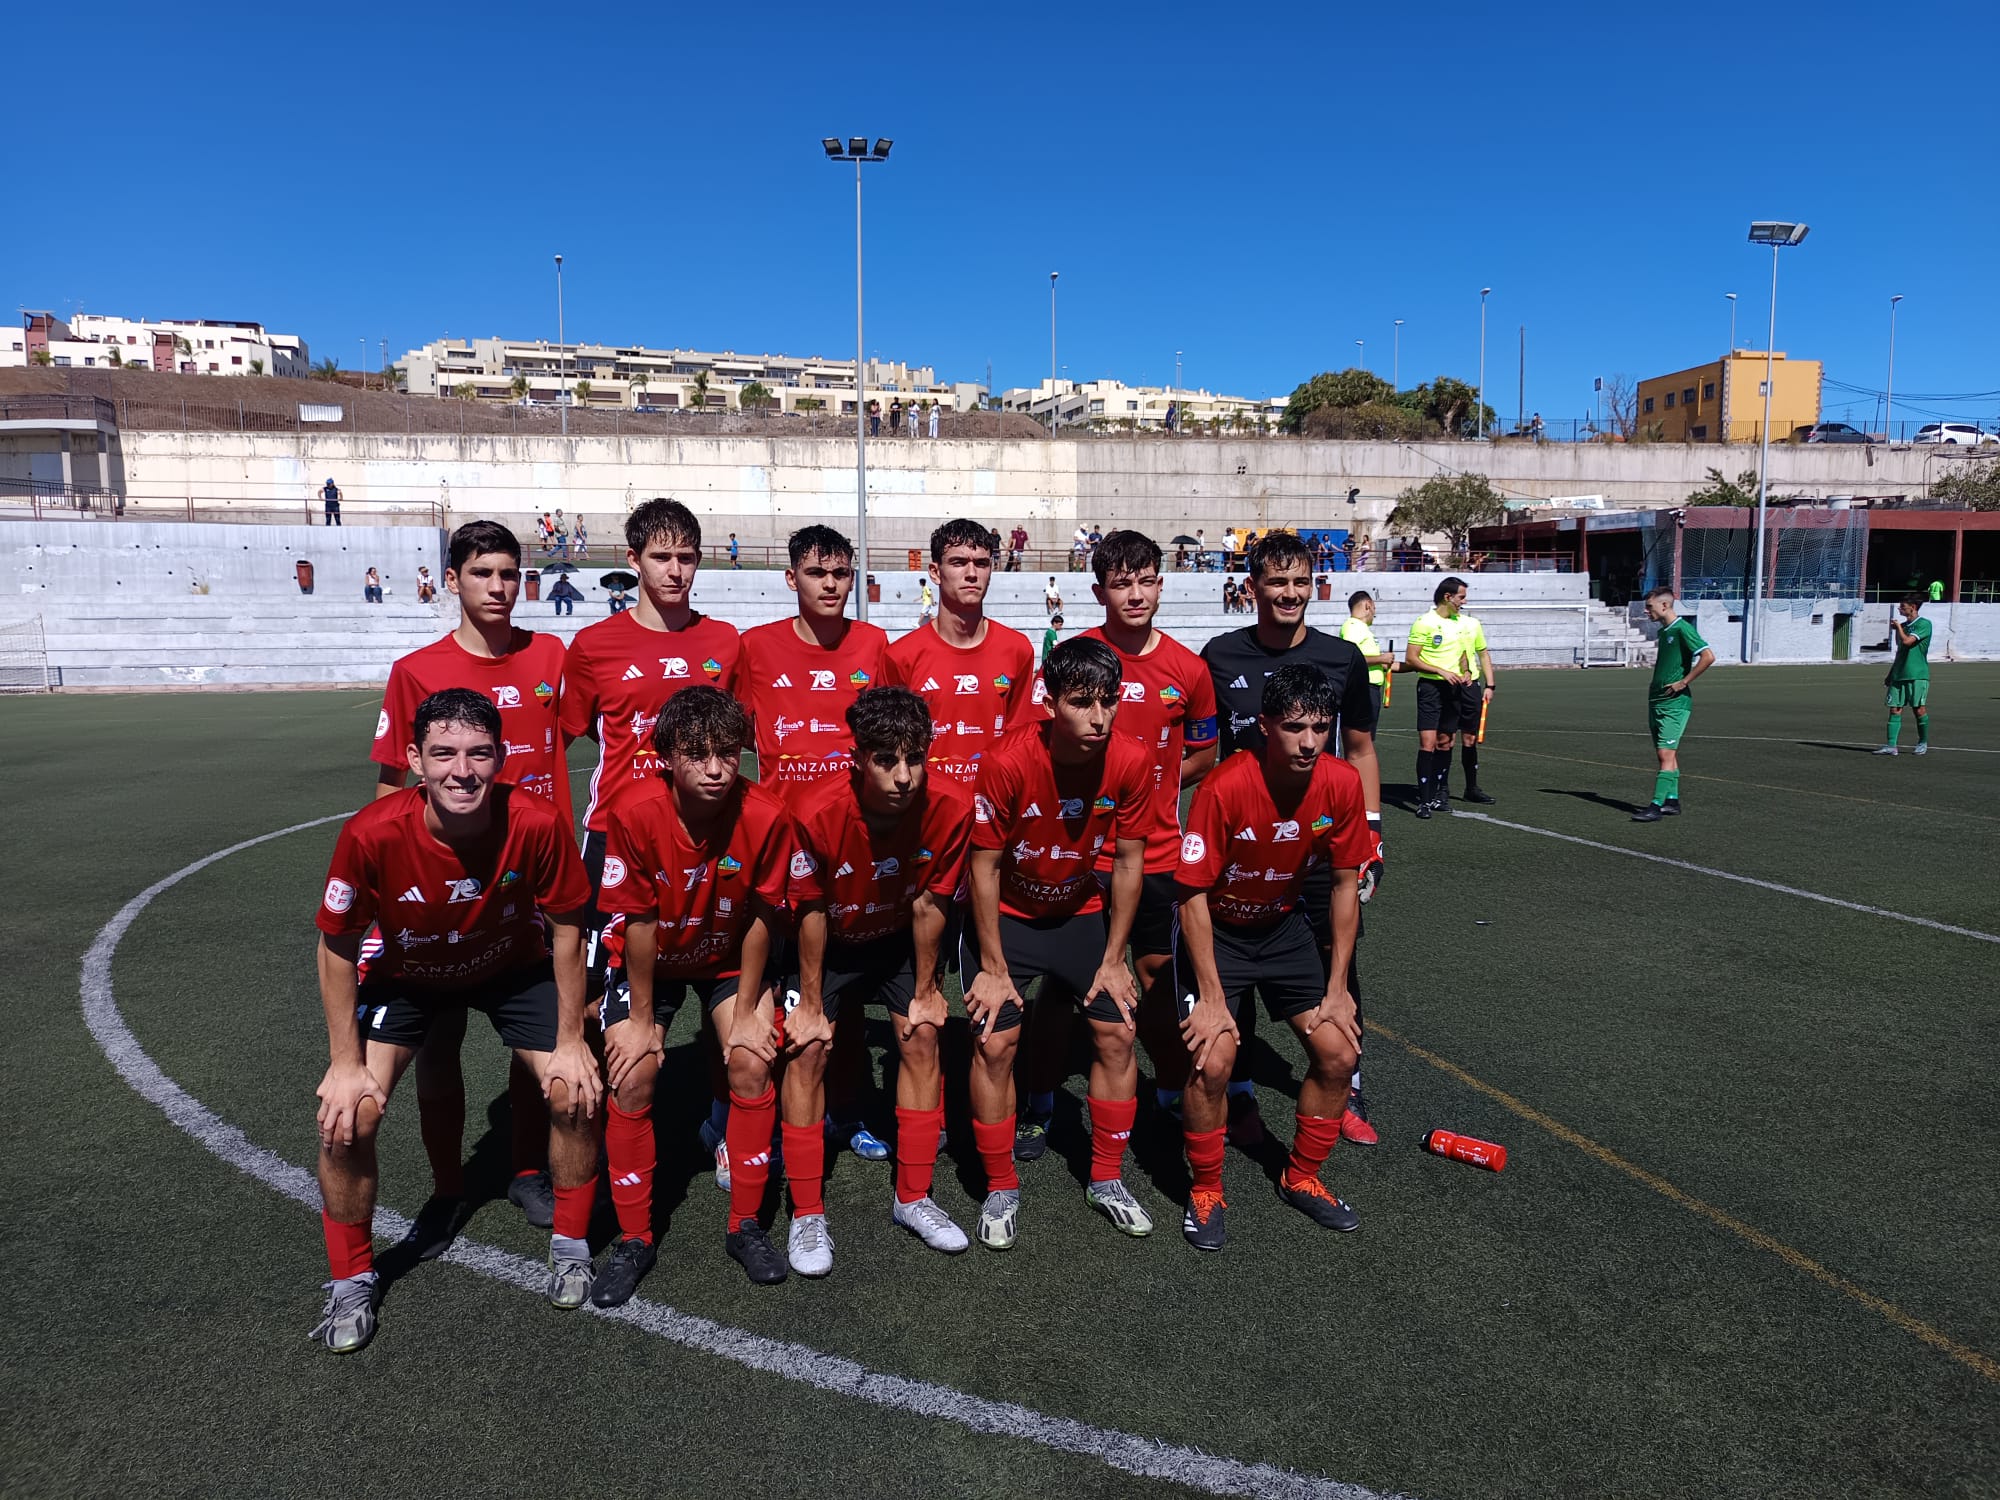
[1204, 1154]
[530, 1113]
[1110, 1129]
[1315, 1138]
[573, 1206]
[749, 1136]
[630, 1153]
[350, 1248]
[441, 1122]
[995, 1140]
[805, 1166]
[917, 1132]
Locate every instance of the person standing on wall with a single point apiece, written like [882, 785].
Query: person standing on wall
[330, 493]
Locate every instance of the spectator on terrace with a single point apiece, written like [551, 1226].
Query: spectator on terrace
[934, 418]
[580, 538]
[735, 552]
[910, 416]
[1052, 598]
[426, 586]
[330, 492]
[620, 600]
[874, 418]
[561, 536]
[545, 531]
[564, 595]
[1017, 543]
[895, 414]
[1051, 635]
[371, 586]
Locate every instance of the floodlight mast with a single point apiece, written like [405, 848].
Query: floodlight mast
[859, 151]
[1777, 234]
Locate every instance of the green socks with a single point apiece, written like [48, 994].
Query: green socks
[1924, 730]
[1896, 729]
[1666, 786]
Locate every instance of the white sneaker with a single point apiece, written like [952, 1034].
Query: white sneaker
[809, 1247]
[1886, 750]
[929, 1223]
[996, 1218]
[1923, 747]
[722, 1165]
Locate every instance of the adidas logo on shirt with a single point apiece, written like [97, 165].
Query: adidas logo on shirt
[414, 893]
[783, 679]
[1239, 683]
[1244, 833]
[631, 673]
[930, 686]
[1033, 810]
[845, 869]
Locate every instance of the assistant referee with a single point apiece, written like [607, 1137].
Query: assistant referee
[1436, 653]
[1472, 700]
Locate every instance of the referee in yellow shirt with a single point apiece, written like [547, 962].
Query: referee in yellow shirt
[1436, 653]
[1472, 700]
[1359, 628]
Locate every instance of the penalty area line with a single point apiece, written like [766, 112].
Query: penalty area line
[1765, 885]
[1144, 1457]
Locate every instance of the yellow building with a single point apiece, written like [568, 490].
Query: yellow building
[1723, 402]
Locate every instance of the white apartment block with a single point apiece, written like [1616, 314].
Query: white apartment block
[641, 379]
[191, 346]
[1111, 405]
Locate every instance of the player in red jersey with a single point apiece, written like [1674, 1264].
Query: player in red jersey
[460, 874]
[620, 671]
[1050, 797]
[1167, 704]
[881, 852]
[522, 672]
[695, 870]
[799, 675]
[975, 674]
[1259, 829]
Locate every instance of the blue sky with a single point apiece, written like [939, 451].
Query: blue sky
[1256, 188]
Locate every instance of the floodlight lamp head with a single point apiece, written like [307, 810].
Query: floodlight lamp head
[1485, 291]
[1777, 232]
[882, 145]
[831, 146]
[857, 145]
[1898, 297]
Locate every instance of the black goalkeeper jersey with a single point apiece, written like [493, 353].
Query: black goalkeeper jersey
[1239, 665]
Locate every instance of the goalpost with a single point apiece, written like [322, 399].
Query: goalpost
[24, 658]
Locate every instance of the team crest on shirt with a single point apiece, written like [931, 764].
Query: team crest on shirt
[1105, 804]
[982, 810]
[1003, 682]
[924, 857]
[381, 723]
[614, 871]
[509, 878]
[1170, 694]
[507, 697]
[858, 678]
[712, 667]
[544, 693]
[729, 865]
[1322, 823]
[339, 896]
[1193, 848]
[803, 864]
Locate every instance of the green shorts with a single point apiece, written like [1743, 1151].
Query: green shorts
[1909, 694]
[1669, 718]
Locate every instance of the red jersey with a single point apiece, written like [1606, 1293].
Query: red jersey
[867, 881]
[798, 694]
[975, 693]
[449, 922]
[1167, 704]
[525, 685]
[699, 891]
[618, 675]
[1050, 821]
[1251, 856]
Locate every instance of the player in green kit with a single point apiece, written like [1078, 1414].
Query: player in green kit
[1909, 678]
[1683, 656]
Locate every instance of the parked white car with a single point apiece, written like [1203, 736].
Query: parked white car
[1958, 434]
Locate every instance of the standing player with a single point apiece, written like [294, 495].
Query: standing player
[1358, 630]
[880, 854]
[1258, 826]
[1239, 662]
[464, 870]
[696, 867]
[799, 676]
[1683, 656]
[1472, 701]
[1436, 653]
[1050, 797]
[1909, 679]
[1166, 704]
[619, 673]
[522, 673]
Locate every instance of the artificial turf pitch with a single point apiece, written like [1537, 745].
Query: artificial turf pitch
[1744, 1244]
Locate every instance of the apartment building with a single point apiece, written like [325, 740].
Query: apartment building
[643, 379]
[191, 346]
[1723, 402]
[1111, 404]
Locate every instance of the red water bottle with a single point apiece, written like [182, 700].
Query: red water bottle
[1467, 1148]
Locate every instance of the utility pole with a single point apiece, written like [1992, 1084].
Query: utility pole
[1521, 391]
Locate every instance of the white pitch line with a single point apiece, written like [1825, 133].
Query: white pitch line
[1141, 1456]
[1754, 739]
[1768, 885]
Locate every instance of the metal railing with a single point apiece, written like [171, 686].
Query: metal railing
[57, 408]
[23, 500]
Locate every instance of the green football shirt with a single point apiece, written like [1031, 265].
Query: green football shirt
[1364, 641]
[1679, 646]
[1913, 663]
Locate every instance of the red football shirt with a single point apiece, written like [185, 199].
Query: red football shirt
[449, 922]
[867, 881]
[1050, 821]
[619, 674]
[1251, 856]
[699, 890]
[1167, 703]
[526, 685]
[798, 692]
[975, 693]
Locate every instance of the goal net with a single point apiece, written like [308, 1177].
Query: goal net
[24, 658]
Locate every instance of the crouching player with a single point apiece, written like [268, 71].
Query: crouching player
[1259, 825]
[1049, 797]
[880, 854]
[455, 870]
[696, 869]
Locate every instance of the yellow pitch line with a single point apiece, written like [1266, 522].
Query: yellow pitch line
[1749, 1233]
[1762, 786]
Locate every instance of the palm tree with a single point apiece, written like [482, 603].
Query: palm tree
[518, 387]
[116, 358]
[581, 392]
[256, 367]
[465, 390]
[41, 357]
[639, 383]
[392, 378]
[756, 396]
[326, 369]
[701, 389]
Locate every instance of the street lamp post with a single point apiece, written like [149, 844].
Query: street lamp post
[857, 150]
[1177, 369]
[562, 354]
[1732, 320]
[1361, 353]
[1777, 236]
[1889, 390]
[1396, 357]
[1484, 293]
[364, 362]
[1054, 408]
